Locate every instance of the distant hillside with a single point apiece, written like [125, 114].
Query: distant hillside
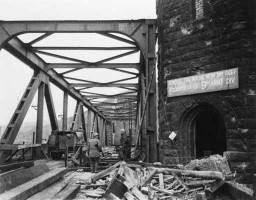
[27, 129]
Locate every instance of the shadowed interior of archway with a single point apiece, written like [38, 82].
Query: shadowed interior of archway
[209, 132]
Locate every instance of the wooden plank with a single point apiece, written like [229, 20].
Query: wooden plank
[135, 191]
[27, 189]
[68, 193]
[180, 181]
[196, 183]
[148, 178]
[161, 181]
[12, 180]
[168, 192]
[193, 173]
[12, 166]
[86, 169]
[129, 196]
[131, 176]
[53, 189]
[105, 172]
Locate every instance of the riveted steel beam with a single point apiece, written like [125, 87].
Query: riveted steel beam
[121, 118]
[134, 29]
[40, 38]
[113, 104]
[50, 107]
[103, 85]
[17, 48]
[103, 65]
[84, 48]
[119, 113]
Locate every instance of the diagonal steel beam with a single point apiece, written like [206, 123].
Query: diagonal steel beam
[124, 71]
[95, 63]
[16, 121]
[17, 48]
[117, 38]
[60, 56]
[50, 106]
[117, 56]
[40, 38]
[82, 80]
[131, 89]
[124, 79]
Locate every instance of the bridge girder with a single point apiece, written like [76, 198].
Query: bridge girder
[143, 37]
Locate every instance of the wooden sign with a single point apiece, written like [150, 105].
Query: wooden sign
[210, 82]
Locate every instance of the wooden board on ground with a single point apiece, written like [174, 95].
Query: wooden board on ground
[16, 178]
[53, 189]
[27, 189]
[68, 193]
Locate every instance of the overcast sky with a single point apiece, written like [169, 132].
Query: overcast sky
[14, 75]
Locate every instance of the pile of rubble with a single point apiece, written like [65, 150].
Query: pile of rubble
[133, 181]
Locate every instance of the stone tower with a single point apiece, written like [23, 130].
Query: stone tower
[207, 81]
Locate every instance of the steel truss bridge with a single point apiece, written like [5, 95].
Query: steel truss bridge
[135, 99]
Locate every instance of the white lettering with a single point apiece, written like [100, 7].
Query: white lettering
[230, 80]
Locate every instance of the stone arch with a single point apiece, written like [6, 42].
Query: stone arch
[218, 109]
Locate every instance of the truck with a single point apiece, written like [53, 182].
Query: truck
[61, 141]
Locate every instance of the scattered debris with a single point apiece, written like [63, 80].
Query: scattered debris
[200, 179]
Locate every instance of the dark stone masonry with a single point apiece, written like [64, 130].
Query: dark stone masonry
[197, 37]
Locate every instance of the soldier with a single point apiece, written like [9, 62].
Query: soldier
[125, 150]
[94, 149]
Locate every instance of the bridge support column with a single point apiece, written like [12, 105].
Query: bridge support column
[40, 117]
[151, 84]
[65, 111]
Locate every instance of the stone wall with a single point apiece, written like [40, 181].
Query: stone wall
[193, 41]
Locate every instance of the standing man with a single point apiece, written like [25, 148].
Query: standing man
[94, 149]
[125, 146]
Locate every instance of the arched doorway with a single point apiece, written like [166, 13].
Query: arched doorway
[209, 133]
[204, 128]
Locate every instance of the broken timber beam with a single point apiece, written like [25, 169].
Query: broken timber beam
[134, 190]
[105, 172]
[148, 178]
[162, 190]
[193, 173]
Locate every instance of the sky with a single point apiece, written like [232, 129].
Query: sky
[14, 75]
